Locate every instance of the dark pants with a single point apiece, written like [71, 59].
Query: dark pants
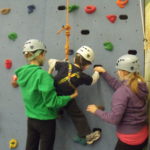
[78, 118]
[41, 133]
[122, 146]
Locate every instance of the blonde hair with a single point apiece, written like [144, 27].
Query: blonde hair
[133, 81]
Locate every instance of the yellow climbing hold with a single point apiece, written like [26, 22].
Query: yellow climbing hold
[5, 11]
[13, 143]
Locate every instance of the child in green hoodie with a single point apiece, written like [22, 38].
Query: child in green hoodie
[40, 98]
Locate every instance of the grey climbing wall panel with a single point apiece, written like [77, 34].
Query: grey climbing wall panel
[43, 24]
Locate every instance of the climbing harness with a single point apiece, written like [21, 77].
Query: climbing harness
[69, 76]
[67, 28]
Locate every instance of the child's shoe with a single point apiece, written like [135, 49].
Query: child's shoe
[93, 137]
[80, 140]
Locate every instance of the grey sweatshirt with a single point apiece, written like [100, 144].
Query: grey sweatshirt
[129, 110]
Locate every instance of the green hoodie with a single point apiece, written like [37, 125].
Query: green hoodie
[38, 91]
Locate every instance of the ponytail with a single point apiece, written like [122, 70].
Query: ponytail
[133, 80]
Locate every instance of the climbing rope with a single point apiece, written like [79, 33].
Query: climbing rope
[67, 28]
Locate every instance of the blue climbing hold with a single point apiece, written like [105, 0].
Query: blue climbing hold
[71, 52]
[31, 9]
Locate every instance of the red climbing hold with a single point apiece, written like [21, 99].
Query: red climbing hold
[112, 18]
[90, 9]
[8, 63]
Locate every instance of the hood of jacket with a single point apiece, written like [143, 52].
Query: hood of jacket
[25, 72]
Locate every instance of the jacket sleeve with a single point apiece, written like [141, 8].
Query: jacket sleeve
[119, 104]
[48, 91]
[51, 63]
[112, 81]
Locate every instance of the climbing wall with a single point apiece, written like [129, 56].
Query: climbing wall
[111, 31]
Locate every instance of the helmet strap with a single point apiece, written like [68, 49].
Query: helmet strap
[34, 55]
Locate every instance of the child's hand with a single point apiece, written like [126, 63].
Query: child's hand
[99, 69]
[14, 81]
[92, 108]
[75, 94]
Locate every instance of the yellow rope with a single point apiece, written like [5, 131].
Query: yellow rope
[67, 28]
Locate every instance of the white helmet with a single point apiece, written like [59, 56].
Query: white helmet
[128, 63]
[33, 45]
[86, 52]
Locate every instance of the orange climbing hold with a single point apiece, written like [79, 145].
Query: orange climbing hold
[122, 3]
[5, 11]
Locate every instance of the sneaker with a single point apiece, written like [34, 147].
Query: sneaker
[92, 137]
[80, 140]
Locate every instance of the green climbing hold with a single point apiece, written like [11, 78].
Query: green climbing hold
[73, 8]
[108, 46]
[12, 36]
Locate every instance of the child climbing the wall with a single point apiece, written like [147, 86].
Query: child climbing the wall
[40, 98]
[129, 103]
[68, 78]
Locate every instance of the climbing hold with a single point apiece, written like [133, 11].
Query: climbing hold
[90, 9]
[123, 17]
[71, 52]
[97, 65]
[112, 18]
[132, 51]
[122, 3]
[73, 8]
[12, 36]
[5, 11]
[108, 46]
[31, 8]
[8, 63]
[62, 7]
[13, 143]
[85, 32]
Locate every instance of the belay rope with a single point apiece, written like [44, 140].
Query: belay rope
[67, 28]
[70, 75]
